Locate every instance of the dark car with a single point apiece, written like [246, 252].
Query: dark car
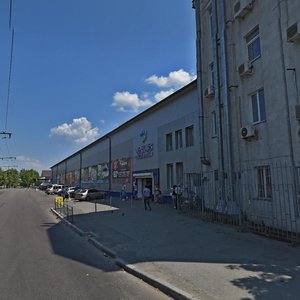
[44, 185]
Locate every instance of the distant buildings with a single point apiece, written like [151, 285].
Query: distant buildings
[46, 175]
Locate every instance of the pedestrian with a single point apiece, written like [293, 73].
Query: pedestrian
[134, 191]
[174, 195]
[123, 193]
[158, 194]
[147, 196]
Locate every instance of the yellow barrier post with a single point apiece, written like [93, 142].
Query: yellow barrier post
[59, 201]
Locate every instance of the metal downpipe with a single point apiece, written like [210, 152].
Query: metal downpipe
[203, 158]
[232, 207]
[221, 201]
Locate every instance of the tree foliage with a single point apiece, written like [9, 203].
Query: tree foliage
[28, 177]
[13, 178]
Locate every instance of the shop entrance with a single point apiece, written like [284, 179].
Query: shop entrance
[141, 182]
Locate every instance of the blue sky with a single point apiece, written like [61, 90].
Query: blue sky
[82, 68]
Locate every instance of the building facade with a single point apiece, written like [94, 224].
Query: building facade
[232, 136]
[248, 64]
[159, 147]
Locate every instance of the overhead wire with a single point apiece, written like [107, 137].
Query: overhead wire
[10, 13]
[9, 78]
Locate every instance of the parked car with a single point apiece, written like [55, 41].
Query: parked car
[44, 185]
[50, 189]
[58, 188]
[73, 192]
[54, 188]
[89, 194]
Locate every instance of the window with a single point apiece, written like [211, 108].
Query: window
[179, 174]
[189, 136]
[169, 142]
[178, 139]
[264, 182]
[214, 124]
[258, 106]
[170, 175]
[253, 44]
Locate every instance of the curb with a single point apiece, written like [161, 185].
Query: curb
[158, 283]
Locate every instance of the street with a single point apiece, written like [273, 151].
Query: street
[40, 258]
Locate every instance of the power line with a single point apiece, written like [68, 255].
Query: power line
[10, 13]
[8, 166]
[6, 134]
[9, 76]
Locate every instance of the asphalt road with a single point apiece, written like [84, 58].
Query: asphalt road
[40, 258]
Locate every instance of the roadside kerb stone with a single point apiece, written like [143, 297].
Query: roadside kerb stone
[158, 283]
[163, 286]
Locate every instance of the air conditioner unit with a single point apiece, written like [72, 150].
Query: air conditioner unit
[293, 32]
[245, 69]
[242, 8]
[247, 132]
[298, 133]
[209, 91]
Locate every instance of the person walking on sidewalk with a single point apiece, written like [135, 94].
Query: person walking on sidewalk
[174, 195]
[123, 193]
[157, 195]
[147, 197]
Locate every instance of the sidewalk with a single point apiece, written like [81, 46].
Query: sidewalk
[202, 260]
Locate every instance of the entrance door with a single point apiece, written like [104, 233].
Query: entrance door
[141, 183]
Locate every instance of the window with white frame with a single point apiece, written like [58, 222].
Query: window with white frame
[170, 181]
[169, 142]
[178, 139]
[189, 136]
[258, 106]
[253, 44]
[179, 173]
[264, 182]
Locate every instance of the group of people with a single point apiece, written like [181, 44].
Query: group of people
[149, 197]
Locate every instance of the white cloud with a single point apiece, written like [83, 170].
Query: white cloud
[80, 131]
[175, 79]
[25, 162]
[163, 94]
[127, 102]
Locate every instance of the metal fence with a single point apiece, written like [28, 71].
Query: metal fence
[265, 200]
[65, 210]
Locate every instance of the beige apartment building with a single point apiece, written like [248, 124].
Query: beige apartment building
[248, 67]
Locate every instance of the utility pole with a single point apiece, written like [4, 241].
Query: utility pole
[6, 134]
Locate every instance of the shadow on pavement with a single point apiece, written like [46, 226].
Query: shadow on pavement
[189, 253]
[73, 247]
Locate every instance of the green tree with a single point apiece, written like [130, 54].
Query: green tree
[2, 177]
[11, 178]
[28, 177]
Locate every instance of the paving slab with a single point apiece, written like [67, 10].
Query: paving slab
[204, 260]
